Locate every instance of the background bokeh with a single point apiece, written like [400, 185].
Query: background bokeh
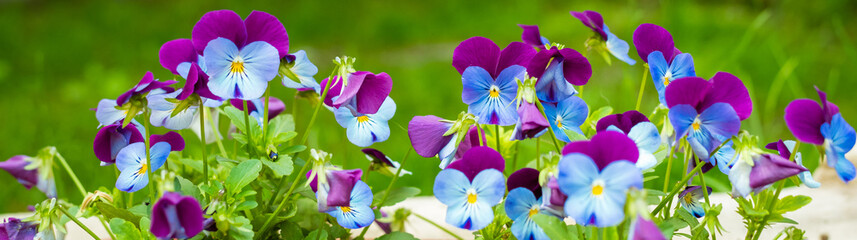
[59, 58]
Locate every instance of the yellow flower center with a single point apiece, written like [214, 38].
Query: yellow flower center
[533, 211]
[597, 189]
[471, 198]
[143, 169]
[494, 92]
[237, 66]
[695, 124]
[688, 198]
[666, 81]
[345, 209]
[363, 118]
[559, 122]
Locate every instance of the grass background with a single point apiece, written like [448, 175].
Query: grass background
[58, 58]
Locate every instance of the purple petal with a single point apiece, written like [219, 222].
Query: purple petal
[695, 191]
[526, 178]
[557, 198]
[187, 209]
[221, 23]
[516, 53]
[177, 51]
[378, 156]
[477, 159]
[387, 227]
[575, 67]
[374, 91]
[472, 139]
[476, 51]
[532, 36]
[649, 38]
[16, 166]
[531, 122]
[426, 134]
[593, 20]
[727, 88]
[688, 90]
[103, 145]
[769, 168]
[173, 138]
[15, 229]
[646, 230]
[624, 121]
[314, 182]
[828, 108]
[341, 184]
[335, 90]
[804, 118]
[147, 79]
[605, 148]
[781, 148]
[275, 107]
[262, 26]
[539, 62]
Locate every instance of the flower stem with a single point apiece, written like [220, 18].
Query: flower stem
[550, 129]
[248, 132]
[217, 137]
[675, 190]
[669, 167]
[642, 86]
[497, 136]
[265, 116]
[72, 175]
[151, 177]
[59, 206]
[395, 177]
[438, 226]
[202, 141]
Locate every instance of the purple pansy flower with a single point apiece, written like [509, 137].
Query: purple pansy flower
[336, 189]
[617, 47]
[15, 229]
[146, 84]
[176, 217]
[637, 127]
[470, 188]
[566, 115]
[655, 46]
[240, 56]
[531, 123]
[596, 176]
[254, 107]
[689, 199]
[645, 229]
[364, 92]
[131, 160]
[180, 57]
[112, 138]
[532, 37]
[428, 137]
[364, 130]
[754, 172]
[489, 77]
[111, 111]
[18, 166]
[297, 72]
[557, 70]
[785, 149]
[707, 112]
[357, 213]
[823, 125]
[554, 199]
[382, 163]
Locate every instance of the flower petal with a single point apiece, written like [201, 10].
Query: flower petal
[519, 202]
[106, 112]
[262, 26]
[769, 168]
[804, 118]
[177, 51]
[624, 121]
[526, 178]
[450, 187]
[17, 166]
[490, 185]
[478, 159]
[516, 53]
[175, 140]
[649, 38]
[426, 134]
[727, 88]
[341, 185]
[689, 90]
[218, 24]
[532, 36]
[476, 51]
[618, 47]
[575, 67]
[591, 19]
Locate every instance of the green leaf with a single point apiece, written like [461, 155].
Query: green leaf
[111, 212]
[317, 234]
[597, 115]
[283, 137]
[187, 187]
[397, 236]
[145, 225]
[246, 205]
[240, 228]
[553, 227]
[236, 116]
[282, 167]
[396, 195]
[292, 149]
[194, 164]
[124, 229]
[791, 203]
[242, 175]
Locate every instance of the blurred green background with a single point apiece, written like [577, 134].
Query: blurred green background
[59, 58]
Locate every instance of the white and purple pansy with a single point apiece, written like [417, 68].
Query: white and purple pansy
[131, 160]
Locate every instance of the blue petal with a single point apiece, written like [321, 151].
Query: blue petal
[805, 176]
[519, 202]
[693, 207]
[450, 187]
[387, 110]
[552, 86]
[576, 171]
[447, 153]
[845, 169]
[498, 110]
[525, 228]
[618, 177]
[358, 216]
[682, 117]
[162, 111]
[618, 47]
[659, 67]
[739, 176]
[260, 61]
[304, 70]
[159, 152]
[725, 157]
[106, 112]
[374, 129]
[645, 135]
[132, 156]
[721, 121]
[130, 181]
[490, 186]
[839, 138]
[550, 112]
[573, 111]
[183, 69]
[476, 83]
[682, 66]
[361, 194]
[507, 81]
[621, 175]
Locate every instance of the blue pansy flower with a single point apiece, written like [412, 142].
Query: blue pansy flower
[839, 138]
[358, 213]
[638, 127]
[469, 202]
[365, 129]
[298, 73]
[567, 115]
[786, 148]
[824, 126]
[520, 206]
[664, 72]
[131, 160]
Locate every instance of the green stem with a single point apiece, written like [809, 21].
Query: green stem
[497, 136]
[438, 226]
[59, 206]
[515, 159]
[106, 228]
[72, 175]
[265, 116]
[362, 233]
[202, 141]
[642, 87]
[550, 129]
[675, 190]
[248, 132]
[152, 194]
[669, 168]
[707, 201]
[282, 203]
[395, 177]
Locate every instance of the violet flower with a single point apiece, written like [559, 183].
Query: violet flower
[823, 125]
[170, 113]
[532, 37]
[15, 229]
[176, 217]
[364, 130]
[110, 111]
[131, 160]
[112, 138]
[28, 172]
[617, 47]
[689, 199]
[471, 187]
[785, 149]
[520, 206]
[382, 163]
[146, 84]
[557, 70]
[666, 63]
[527, 178]
[645, 229]
[637, 127]
[334, 188]
[707, 112]
[566, 115]
[754, 172]
[433, 136]
[180, 57]
[240, 56]
[357, 212]
[363, 92]
[531, 123]
[297, 72]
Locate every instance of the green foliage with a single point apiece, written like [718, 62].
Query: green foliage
[242, 175]
[555, 228]
[111, 212]
[282, 167]
[125, 229]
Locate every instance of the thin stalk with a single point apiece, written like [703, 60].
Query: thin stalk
[497, 136]
[285, 199]
[59, 206]
[550, 129]
[217, 138]
[72, 175]
[707, 201]
[151, 177]
[538, 153]
[202, 141]
[642, 87]
[362, 233]
[294, 114]
[106, 228]
[515, 159]
[265, 117]
[675, 190]
[669, 168]
[395, 177]
[248, 132]
[438, 226]
[482, 137]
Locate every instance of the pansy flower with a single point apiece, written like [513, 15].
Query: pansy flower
[176, 217]
[707, 112]
[638, 128]
[146, 84]
[531, 123]
[15, 229]
[364, 130]
[357, 213]
[22, 168]
[489, 77]
[785, 149]
[596, 176]
[240, 56]
[334, 187]
[382, 163]
[471, 187]
[823, 125]
[689, 199]
[180, 57]
[520, 206]
[448, 140]
[566, 115]
[112, 138]
[164, 108]
[362, 92]
[645, 229]
[557, 70]
[297, 72]
[256, 108]
[131, 160]
[110, 111]
[754, 172]
[617, 47]
[655, 46]
[532, 37]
